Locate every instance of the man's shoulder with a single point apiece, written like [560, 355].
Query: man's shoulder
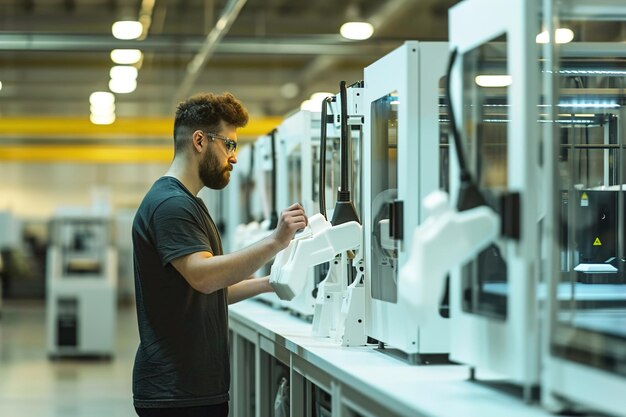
[163, 193]
[165, 188]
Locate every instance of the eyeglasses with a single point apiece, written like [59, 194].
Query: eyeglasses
[231, 145]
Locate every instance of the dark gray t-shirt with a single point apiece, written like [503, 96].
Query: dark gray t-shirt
[182, 359]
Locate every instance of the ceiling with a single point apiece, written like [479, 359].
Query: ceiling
[55, 53]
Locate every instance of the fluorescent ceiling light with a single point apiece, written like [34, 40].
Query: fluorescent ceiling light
[123, 71]
[592, 72]
[102, 98]
[122, 85]
[99, 119]
[357, 30]
[126, 56]
[101, 110]
[309, 106]
[314, 104]
[563, 35]
[127, 29]
[590, 105]
[289, 90]
[320, 96]
[0, 85]
[493, 80]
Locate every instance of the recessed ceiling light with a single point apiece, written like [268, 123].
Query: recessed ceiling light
[493, 80]
[122, 85]
[562, 35]
[101, 98]
[319, 96]
[100, 119]
[123, 71]
[126, 56]
[307, 105]
[100, 110]
[357, 30]
[127, 29]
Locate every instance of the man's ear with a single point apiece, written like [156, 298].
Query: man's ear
[198, 141]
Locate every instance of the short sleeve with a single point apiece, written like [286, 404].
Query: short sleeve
[178, 230]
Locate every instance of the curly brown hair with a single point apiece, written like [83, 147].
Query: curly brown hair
[206, 112]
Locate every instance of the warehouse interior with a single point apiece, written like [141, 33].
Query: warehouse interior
[509, 298]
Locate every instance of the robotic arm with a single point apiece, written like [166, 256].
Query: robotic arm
[446, 239]
[319, 243]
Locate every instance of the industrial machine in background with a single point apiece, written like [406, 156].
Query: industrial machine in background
[10, 230]
[297, 182]
[339, 302]
[584, 354]
[403, 114]
[81, 286]
[238, 198]
[268, 166]
[495, 83]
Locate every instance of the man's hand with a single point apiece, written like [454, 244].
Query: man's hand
[291, 220]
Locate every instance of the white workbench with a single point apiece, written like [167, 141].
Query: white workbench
[360, 380]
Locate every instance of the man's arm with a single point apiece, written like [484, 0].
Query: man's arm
[207, 273]
[248, 288]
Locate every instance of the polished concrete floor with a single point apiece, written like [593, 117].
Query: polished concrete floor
[33, 386]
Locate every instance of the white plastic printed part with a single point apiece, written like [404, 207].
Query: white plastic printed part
[324, 241]
[595, 268]
[445, 240]
[351, 326]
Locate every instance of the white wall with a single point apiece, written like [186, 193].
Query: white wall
[34, 190]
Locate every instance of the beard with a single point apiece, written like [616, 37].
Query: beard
[212, 174]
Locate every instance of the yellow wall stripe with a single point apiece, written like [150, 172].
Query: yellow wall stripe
[124, 127]
[87, 154]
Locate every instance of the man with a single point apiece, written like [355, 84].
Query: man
[183, 281]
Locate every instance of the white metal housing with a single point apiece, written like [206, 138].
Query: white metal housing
[413, 72]
[509, 347]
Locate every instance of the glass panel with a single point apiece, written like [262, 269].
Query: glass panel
[247, 184]
[315, 175]
[590, 322]
[320, 401]
[355, 178]
[294, 186]
[485, 122]
[83, 244]
[267, 191]
[333, 172]
[384, 178]
[444, 132]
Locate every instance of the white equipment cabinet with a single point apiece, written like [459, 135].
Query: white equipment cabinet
[81, 287]
[269, 166]
[298, 134]
[401, 159]
[493, 303]
[10, 230]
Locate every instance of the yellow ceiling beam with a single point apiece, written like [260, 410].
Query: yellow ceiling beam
[70, 127]
[87, 154]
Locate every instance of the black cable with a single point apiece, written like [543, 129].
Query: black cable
[322, 166]
[249, 182]
[344, 207]
[469, 197]
[344, 191]
[273, 213]
[465, 174]
[469, 194]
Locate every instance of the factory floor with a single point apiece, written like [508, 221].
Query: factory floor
[31, 385]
